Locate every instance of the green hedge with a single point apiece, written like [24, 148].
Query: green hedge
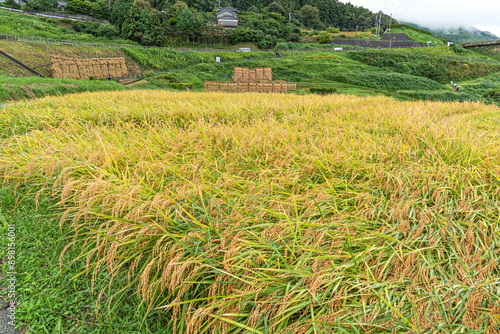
[386, 80]
[180, 85]
[492, 94]
[323, 90]
[425, 65]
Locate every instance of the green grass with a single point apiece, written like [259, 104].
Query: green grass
[488, 51]
[312, 46]
[163, 59]
[54, 299]
[27, 25]
[445, 51]
[442, 69]
[386, 81]
[310, 68]
[418, 36]
[19, 88]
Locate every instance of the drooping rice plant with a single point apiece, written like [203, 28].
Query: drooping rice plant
[255, 213]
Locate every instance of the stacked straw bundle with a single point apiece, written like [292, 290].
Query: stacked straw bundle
[237, 74]
[112, 68]
[56, 68]
[243, 87]
[252, 76]
[232, 87]
[247, 80]
[268, 74]
[245, 77]
[268, 87]
[99, 68]
[211, 86]
[224, 87]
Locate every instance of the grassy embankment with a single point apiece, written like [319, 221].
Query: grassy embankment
[27, 25]
[37, 56]
[417, 35]
[489, 51]
[257, 213]
[20, 88]
[371, 72]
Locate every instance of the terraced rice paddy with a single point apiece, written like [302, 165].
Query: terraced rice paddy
[262, 213]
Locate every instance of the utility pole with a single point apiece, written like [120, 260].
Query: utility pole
[380, 23]
[390, 22]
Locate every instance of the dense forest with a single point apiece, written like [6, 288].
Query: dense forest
[263, 22]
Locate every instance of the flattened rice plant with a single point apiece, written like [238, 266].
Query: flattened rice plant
[275, 213]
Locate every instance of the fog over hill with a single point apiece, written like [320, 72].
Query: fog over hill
[458, 34]
[442, 14]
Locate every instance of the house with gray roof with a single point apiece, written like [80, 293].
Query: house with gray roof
[227, 17]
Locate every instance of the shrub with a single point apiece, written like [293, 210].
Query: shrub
[180, 85]
[385, 80]
[40, 5]
[11, 4]
[324, 37]
[294, 38]
[323, 90]
[492, 94]
[458, 49]
[332, 30]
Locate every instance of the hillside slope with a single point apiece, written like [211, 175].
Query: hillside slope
[459, 34]
[37, 56]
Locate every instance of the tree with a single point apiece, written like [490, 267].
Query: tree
[121, 8]
[253, 9]
[143, 24]
[294, 37]
[324, 37]
[11, 4]
[204, 5]
[40, 5]
[309, 15]
[186, 21]
[275, 7]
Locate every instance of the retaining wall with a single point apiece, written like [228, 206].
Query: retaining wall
[79, 17]
[376, 44]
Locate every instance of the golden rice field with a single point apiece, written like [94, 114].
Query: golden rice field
[261, 213]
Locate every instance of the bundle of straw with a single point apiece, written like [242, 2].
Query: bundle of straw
[224, 86]
[243, 87]
[237, 74]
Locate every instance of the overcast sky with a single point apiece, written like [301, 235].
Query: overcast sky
[482, 14]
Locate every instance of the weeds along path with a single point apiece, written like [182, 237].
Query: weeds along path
[274, 213]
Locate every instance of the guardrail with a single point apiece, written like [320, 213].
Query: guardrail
[484, 43]
[57, 17]
[12, 9]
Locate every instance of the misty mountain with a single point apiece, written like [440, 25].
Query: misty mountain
[459, 34]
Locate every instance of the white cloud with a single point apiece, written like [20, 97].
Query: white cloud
[482, 14]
